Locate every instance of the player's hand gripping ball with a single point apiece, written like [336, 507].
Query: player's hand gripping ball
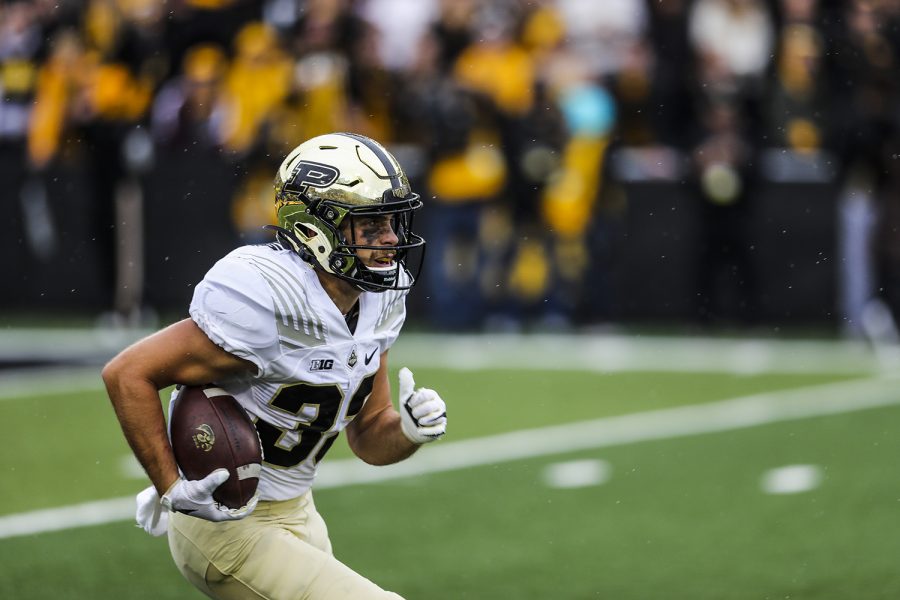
[210, 430]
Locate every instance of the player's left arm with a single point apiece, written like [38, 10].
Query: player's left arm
[380, 435]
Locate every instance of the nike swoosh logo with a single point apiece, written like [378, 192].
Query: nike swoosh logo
[371, 356]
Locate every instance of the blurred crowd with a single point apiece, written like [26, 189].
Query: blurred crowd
[503, 111]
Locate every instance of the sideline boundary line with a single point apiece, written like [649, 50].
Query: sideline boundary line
[736, 413]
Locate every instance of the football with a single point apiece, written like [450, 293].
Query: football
[210, 430]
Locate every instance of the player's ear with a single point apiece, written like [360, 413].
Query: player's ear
[348, 228]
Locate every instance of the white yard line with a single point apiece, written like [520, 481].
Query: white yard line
[616, 353]
[736, 413]
[67, 517]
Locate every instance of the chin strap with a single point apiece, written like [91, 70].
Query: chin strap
[288, 240]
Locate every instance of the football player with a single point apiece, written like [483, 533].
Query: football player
[298, 331]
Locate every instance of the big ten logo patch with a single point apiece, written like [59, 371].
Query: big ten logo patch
[321, 364]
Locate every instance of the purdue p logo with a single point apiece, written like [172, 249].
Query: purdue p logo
[308, 173]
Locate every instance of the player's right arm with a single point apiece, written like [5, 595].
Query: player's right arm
[181, 353]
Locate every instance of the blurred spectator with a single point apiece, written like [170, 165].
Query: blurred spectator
[499, 73]
[496, 65]
[320, 43]
[387, 17]
[722, 173]
[588, 113]
[33, 237]
[734, 41]
[453, 31]
[256, 84]
[99, 90]
[20, 49]
[866, 95]
[797, 111]
[217, 22]
[603, 34]
[798, 12]
[632, 87]
[466, 173]
[673, 74]
[192, 106]
[127, 48]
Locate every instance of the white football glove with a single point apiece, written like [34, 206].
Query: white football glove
[150, 515]
[423, 415]
[194, 498]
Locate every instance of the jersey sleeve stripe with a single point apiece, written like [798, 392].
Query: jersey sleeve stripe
[283, 311]
[293, 287]
[291, 303]
[307, 329]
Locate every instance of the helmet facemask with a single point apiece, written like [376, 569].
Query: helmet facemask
[376, 279]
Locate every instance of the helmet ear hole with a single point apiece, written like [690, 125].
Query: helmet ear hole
[304, 231]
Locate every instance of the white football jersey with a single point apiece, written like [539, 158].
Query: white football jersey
[266, 305]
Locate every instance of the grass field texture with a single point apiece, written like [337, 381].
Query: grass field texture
[674, 506]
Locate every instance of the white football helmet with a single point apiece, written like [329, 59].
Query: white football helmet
[329, 178]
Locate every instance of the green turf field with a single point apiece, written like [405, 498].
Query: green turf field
[671, 508]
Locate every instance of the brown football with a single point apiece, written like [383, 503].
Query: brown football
[209, 431]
